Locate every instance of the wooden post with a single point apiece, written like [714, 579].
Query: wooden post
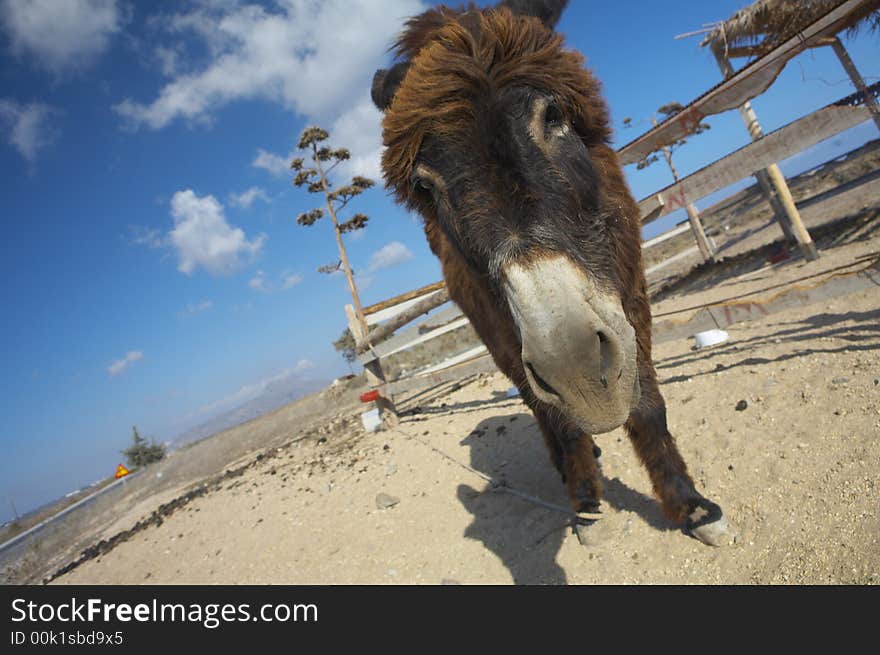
[373, 371]
[778, 210]
[774, 175]
[853, 72]
[692, 212]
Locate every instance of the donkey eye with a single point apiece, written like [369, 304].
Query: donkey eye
[553, 115]
[423, 185]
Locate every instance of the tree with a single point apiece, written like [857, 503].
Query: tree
[315, 180]
[141, 452]
[346, 346]
[667, 111]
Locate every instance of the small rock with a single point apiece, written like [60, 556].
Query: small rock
[386, 501]
[741, 405]
[391, 469]
[840, 380]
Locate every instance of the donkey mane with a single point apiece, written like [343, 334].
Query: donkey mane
[455, 56]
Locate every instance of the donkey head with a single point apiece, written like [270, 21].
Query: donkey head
[499, 138]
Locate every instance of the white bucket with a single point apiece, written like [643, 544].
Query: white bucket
[710, 338]
[371, 420]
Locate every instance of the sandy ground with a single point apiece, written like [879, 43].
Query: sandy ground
[430, 502]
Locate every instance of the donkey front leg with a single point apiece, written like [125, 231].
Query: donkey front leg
[575, 456]
[656, 449]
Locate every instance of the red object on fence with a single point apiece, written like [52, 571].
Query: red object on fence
[370, 396]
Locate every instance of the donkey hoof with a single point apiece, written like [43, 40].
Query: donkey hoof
[708, 524]
[586, 532]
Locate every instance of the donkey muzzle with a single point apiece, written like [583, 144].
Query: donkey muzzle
[578, 348]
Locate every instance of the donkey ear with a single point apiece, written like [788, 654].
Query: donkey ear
[385, 83]
[548, 11]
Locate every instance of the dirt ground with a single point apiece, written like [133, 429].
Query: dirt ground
[436, 500]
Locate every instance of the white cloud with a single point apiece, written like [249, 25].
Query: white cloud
[61, 36]
[146, 236]
[304, 365]
[289, 280]
[203, 238]
[289, 55]
[119, 366]
[362, 281]
[28, 128]
[389, 255]
[246, 198]
[315, 59]
[168, 59]
[275, 164]
[196, 308]
[360, 130]
[259, 283]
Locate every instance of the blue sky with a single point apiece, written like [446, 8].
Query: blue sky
[153, 270]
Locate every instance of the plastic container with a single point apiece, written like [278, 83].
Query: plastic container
[710, 338]
[371, 420]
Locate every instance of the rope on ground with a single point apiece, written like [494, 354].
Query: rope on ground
[790, 283]
[502, 485]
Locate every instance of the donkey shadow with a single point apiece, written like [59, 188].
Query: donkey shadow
[525, 536]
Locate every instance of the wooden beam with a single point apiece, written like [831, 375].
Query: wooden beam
[854, 75]
[776, 146]
[482, 364]
[409, 295]
[416, 334]
[379, 334]
[669, 260]
[680, 229]
[390, 312]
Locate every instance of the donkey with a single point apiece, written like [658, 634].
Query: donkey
[499, 138]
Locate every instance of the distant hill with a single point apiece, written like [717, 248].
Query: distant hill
[277, 393]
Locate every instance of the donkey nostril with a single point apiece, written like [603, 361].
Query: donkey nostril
[608, 359]
[540, 381]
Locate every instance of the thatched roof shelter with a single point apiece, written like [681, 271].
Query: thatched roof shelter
[765, 24]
